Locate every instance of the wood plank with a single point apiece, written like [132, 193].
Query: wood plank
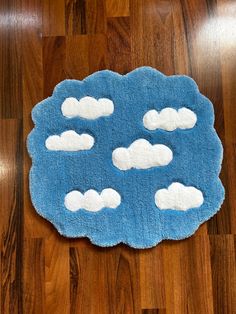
[32, 70]
[54, 54]
[136, 34]
[119, 51]
[85, 17]
[95, 16]
[158, 35]
[117, 8]
[57, 283]
[123, 273]
[53, 18]
[11, 212]
[180, 45]
[152, 278]
[77, 60]
[115, 271]
[97, 50]
[10, 59]
[34, 276]
[188, 284]
[85, 54]
[223, 273]
[75, 12]
[87, 273]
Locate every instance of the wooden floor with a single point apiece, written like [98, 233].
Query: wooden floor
[45, 41]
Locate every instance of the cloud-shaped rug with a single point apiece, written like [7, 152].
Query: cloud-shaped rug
[126, 158]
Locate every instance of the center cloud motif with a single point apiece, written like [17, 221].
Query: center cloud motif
[117, 160]
[141, 155]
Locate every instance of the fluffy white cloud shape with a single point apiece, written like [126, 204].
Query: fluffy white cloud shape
[91, 200]
[170, 119]
[69, 141]
[87, 107]
[178, 197]
[141, 155]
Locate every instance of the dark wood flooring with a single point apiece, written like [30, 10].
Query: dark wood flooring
[44, 42]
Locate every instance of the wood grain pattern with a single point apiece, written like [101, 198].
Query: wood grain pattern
[53, 18]
[44, 42]
[75, 17]
[54, 52]
[11, 225]
[95, 16]
[188, 273]
[118, 44]
[84, 292]
[34, 275]
[116, 8]
[57, 283]
[152, 278]
[32, 62]
[10, 56]
[223, 272]
[77, 59]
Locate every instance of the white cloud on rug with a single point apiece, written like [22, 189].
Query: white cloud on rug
[170, 119]
[69, 141]
[87, 107]
[179, 197]
[91, 200]
[141, 155]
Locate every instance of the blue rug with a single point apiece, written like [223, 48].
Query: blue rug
[132, 158]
